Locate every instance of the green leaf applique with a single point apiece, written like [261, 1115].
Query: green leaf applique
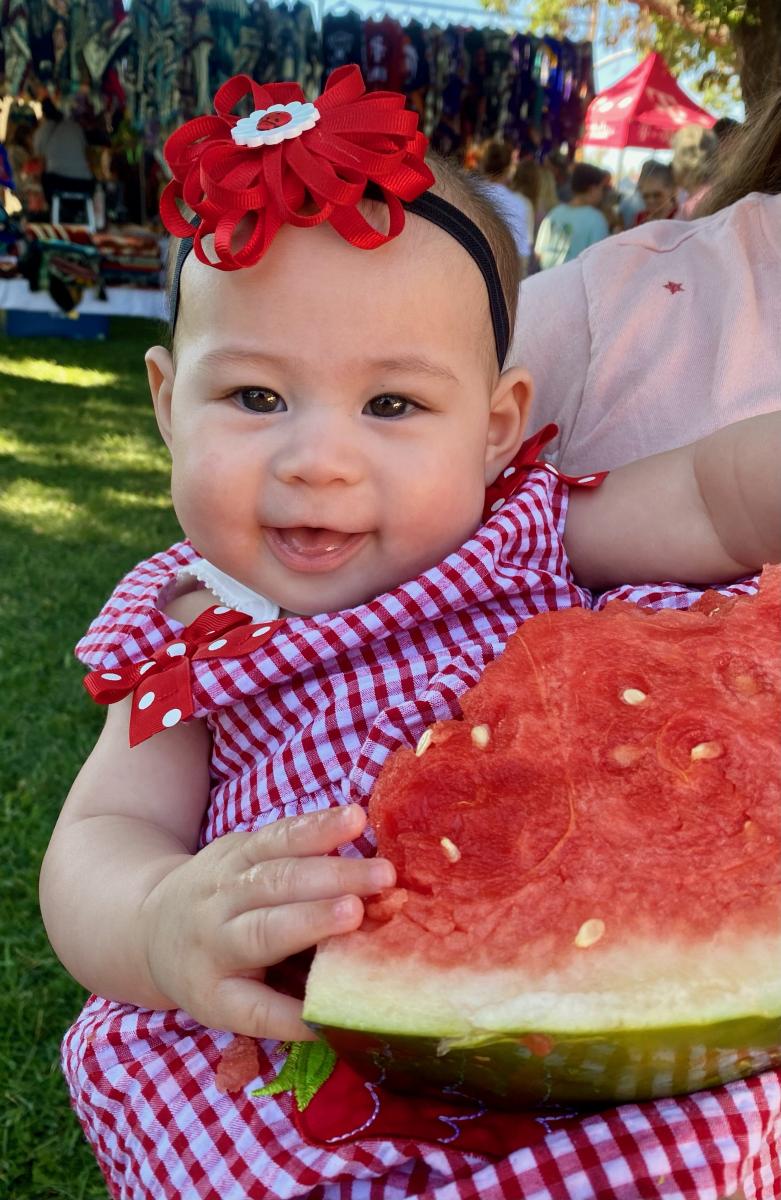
[303, 1073]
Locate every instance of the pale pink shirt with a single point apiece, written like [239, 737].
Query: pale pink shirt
[656, 337]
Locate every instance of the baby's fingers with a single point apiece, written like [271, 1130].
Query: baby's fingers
[298, 837]
[264, 936]
[292, 880]
[250, 1007]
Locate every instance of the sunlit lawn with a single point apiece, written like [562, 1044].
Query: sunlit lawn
[83, 496]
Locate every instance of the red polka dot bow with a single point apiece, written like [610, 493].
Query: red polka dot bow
[511, 479]
[161, 686]
[292, 162]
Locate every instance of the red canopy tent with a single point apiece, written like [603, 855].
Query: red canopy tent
[644, 109]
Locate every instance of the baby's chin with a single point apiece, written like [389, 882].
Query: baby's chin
[329, 601]
[332, 596]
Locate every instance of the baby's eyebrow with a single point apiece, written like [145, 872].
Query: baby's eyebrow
[225, 356]
[414, 364]
[404, 364]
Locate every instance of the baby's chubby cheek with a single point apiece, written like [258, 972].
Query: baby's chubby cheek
[448, 512]
[204, 489]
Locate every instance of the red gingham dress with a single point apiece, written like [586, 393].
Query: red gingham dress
[305, 723]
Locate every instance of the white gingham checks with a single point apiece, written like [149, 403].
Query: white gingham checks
[305, 723]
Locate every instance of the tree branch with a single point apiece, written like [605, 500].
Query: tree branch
[670, 10]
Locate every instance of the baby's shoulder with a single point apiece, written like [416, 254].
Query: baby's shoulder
[133, 621]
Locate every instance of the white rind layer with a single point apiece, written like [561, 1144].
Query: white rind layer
[645, 986]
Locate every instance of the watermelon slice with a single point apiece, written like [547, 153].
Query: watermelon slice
[588, 904]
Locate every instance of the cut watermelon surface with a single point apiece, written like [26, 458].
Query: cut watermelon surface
[588, 902]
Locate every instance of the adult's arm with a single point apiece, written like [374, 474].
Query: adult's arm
[705, 513]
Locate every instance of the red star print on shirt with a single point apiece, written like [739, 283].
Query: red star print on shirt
[672, 288]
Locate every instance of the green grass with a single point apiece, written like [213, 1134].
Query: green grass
[83, 496]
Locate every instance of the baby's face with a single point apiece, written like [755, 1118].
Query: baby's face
[335, 414]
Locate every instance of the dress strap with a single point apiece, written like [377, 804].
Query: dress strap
[512, 478]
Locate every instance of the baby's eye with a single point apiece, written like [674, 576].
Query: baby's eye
[259, 400]
[389, 406]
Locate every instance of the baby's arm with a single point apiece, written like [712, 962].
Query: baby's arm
[704, 513]
[137, 914]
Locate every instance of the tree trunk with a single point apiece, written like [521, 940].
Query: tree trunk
[758, 50]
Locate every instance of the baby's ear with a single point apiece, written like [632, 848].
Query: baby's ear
[510, 404]
[160, 373]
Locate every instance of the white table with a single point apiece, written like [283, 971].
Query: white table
[120, 302]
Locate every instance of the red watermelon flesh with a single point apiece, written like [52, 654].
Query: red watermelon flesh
[593, 852]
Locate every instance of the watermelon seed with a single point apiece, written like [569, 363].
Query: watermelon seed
[625, 755]
[746, 684]
[706, 750]
[632, 696]
[424, 741]
[589, 933]
[452, 852]
[481, 736]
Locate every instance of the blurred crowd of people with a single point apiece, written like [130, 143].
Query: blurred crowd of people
[65, 146]
[558, 208]
[48, 157]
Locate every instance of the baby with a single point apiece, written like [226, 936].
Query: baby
[365, 530]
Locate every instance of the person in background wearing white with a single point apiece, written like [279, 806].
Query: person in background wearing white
[62, 144]
[570, 228]
[515, 209]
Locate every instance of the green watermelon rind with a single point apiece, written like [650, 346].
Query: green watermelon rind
[528, 1068]
[423, 1028]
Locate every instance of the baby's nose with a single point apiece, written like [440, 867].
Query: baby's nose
[320, 457]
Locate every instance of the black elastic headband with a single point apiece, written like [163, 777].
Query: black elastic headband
[447, 217]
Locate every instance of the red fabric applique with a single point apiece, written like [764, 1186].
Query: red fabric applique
[527, 459]
[348, 1108]
[319, 175]
[332, 1103]
[672, 287]
[161, 686]
[238, 1065]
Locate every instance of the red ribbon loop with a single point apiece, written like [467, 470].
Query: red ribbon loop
[161, 686]
[510, 480]
[243, 194]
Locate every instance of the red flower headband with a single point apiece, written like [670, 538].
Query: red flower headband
[287, 156]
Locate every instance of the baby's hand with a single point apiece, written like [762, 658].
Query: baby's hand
[247, 901]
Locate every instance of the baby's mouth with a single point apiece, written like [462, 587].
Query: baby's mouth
[308, 548]
[303, 540]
